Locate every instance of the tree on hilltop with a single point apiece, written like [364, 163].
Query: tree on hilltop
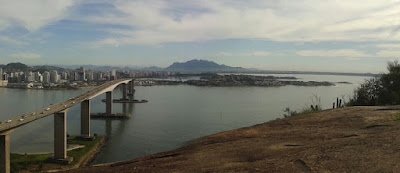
[380, 90]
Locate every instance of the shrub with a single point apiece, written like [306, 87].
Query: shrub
[380, 90]
[315, 106]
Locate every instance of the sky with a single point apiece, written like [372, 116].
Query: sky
[307, 35]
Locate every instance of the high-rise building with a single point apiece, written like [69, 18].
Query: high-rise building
[38, 77]
[54, 78]
[58, 78]
[89, 76]
[82, 74]
[20, 77]
[76, 76]
[113, 74]
[64, 75]
[5, 76]
[29, 77]
[46, 77]
[99, 76]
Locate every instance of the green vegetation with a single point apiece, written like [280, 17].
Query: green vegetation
[178, 74]
[79, 153]
[24, 161]
[313, 107]
[380, 90]
[397, 118]
[20, 162]
[16, 66]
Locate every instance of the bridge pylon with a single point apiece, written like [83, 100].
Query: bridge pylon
[85, 119]
[109, 102]
[5, 152]
[60, 138]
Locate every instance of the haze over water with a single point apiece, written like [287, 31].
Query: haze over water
[173, 116]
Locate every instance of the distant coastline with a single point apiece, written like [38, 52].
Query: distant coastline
[309, 72]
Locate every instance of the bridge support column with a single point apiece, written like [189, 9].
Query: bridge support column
[109, 101]
[132, 90]
[124, 91]
[129, 87]
[60, 135]
[85, 119]
[5, 152]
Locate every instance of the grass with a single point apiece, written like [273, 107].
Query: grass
[77, 154]
[305, 110]
[397, 118]
[22, 162]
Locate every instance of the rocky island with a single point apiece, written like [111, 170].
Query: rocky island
[247, 80]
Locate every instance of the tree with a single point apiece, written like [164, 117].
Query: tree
[382, 90]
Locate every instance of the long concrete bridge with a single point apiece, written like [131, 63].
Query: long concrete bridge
[59, 111]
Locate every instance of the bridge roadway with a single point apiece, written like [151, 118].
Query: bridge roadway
[23, 119]
[59, 110]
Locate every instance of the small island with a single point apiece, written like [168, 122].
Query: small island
[247, 80]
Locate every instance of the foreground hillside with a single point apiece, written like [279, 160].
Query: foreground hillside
[354, 139]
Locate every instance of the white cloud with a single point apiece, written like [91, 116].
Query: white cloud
[347, 53]
[243, 54]
[224, 54]
[389, 46]
[32, 15]
[8, 40]
[259, 53]
[389, 54]
[157, 21]
[24, 56]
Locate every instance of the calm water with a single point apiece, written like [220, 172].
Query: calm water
[173, 116]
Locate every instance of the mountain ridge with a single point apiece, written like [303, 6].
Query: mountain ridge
[201, 66]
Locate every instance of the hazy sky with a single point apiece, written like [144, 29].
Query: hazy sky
[315, 35]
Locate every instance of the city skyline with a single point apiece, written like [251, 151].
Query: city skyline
[356, 36]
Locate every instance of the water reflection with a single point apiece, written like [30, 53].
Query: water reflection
[108, 127]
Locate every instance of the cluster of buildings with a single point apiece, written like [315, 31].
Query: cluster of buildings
[54, 78]
[71, 78]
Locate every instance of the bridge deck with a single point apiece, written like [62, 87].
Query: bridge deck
[26, 118]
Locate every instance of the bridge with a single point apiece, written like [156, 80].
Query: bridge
[59, 110]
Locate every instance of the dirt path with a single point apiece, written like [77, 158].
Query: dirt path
[355, 139]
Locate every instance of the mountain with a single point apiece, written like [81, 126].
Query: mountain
[43, 68]
[15, 66]
[202, 66]
[152, 68]
[102, 67]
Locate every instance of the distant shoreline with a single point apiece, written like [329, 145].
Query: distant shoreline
[52, 89]
[306, 72]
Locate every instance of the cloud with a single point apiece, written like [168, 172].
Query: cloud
[153, 22]
[8, 40]
[32, 15]
[347, 53]
[24, 56]
[259, 54]
[224, 54]
[389, 54]
[244, 54]
[158, 21]
[389, 46]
